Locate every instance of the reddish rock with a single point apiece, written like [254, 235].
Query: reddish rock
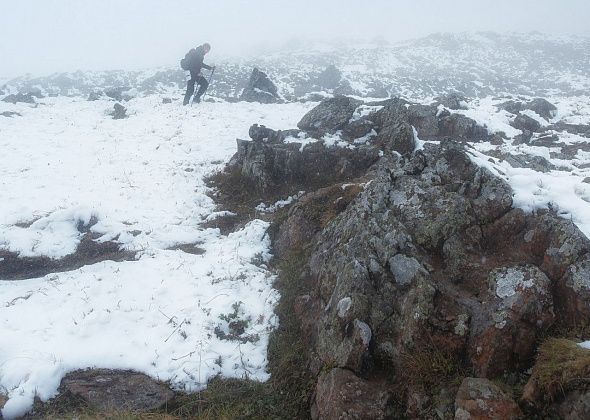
[520, 309]
[479, 399]
[340, 394]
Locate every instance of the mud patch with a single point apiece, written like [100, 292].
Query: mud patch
[13, 267]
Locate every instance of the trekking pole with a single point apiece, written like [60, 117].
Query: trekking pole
[208, 82]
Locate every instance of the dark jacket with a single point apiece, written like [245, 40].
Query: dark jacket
[196, 58]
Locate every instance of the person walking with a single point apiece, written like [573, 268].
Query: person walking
[193, 62]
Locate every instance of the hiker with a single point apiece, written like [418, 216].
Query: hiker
[193, 62]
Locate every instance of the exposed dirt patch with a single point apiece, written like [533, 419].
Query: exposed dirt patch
[188, 248]
[13, 267]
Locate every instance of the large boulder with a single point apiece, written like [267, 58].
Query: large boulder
[526, 123]
[260, 89]
[330, 115]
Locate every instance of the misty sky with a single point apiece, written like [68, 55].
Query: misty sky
[45, 36]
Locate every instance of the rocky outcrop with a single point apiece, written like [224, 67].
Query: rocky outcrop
[541, 106]
[116, 391]
[480, 399]
[419, 258]
[419, 270]
[10, 114]
[274, 166]
[260, 89]
[27, 98]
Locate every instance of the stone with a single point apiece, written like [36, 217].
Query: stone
[480, 399]
[20, 97]
[285, 167]
[340, 394]
[260, 89]
[112, 390]
[575, 405]
[452, 101]
[329, 116]
[10, 114]
[542, 107]
[518, 312]
[573, 293]
[526, 123]
[95, 95]
[166, 100]
[330, 78]
[119, 112]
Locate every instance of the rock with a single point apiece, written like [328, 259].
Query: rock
[111, 390]
[166, 100]
[3, 400]
[276, 167]
[573, 293]
[119, 112]
[429, 122]
[539, 105]
[537, 163]
[10, 114]
[20, 97]
[342, 395]
[310, 215]
[519, 311]
[575, 405]
[260, 89]
[36, 92]
[460, 127]
[542, 107]
[95, 95]
[330, 115]
[117, 93]
[263, 134]
[480, 399]
[452, 101]
[330, 78]
[526, 123]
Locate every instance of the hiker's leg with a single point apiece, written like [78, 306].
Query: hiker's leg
[203, 85]
[190, 89]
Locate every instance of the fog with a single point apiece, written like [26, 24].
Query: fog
[45, 36]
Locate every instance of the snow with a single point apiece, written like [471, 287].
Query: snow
[141, 179]
[585, 344]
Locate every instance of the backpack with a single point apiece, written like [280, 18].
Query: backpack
[185, 63]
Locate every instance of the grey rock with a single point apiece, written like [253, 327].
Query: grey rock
[119, 112]
[452, 101]
[20, 97]
[10, 114]
[260, 89]
[95, 95]
[524, 122]
[330, 78]
[330, 115]
[575, 405]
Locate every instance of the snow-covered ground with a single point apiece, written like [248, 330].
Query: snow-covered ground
[141, 179]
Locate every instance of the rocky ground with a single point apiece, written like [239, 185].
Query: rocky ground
[427, 293]
[431, 249]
